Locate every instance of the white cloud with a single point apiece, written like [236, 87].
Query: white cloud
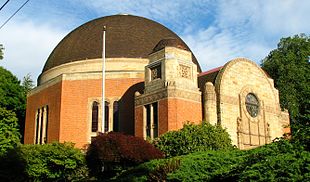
[248, 29]
[27, 47]
[174, 14]
[212, 48]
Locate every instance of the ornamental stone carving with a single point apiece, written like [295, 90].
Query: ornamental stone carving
[184, 71]
[155, 72]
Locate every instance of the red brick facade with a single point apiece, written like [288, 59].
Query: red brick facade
[68, 103]
[50, 96]
[173, 113]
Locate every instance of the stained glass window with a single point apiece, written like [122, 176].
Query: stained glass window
[252, 105]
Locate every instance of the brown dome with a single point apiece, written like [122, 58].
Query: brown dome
[127, 36]
[170, 42]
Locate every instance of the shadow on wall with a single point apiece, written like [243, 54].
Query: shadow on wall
[127, 109]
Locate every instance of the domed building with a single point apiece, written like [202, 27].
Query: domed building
[153, 84]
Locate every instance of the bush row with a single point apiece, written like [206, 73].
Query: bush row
[48, 162]
[278, 161]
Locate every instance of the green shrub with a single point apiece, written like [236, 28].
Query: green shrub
[208, 166]
[12, 166]
[110, 153]
[278, 161]
[54, 162]
[161, 171]
[193, 138]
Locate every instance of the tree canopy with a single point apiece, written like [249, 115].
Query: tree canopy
[289, 66]
[12, 95]
[9, 134]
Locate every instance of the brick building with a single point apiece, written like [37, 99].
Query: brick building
[154, 84]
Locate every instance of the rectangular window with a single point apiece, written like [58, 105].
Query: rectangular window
[148, 120]
[155, 120]
[106, 117]
[41, 125]
[115, 116]
[94, 119]
[37, 136]
[151, 120]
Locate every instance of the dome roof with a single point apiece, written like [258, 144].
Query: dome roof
[170, 42]
[127, 36]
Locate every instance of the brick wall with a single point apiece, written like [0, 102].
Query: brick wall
[181, 111]
[50, 96]
[69, 110]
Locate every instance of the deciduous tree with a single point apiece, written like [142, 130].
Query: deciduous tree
[289, 66]
[12, 95]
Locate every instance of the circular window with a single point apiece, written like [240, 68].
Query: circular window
[252, 105]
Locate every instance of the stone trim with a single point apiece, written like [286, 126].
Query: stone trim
[86, 76]
[45, 85]
[229, 100]
[232, 62]
[131, 65]
[167, 93]
[244, 91]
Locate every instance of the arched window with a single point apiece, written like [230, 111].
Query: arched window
[106, 116]
[37, 132]
[115, 115]
[252, 105]
[94, 119]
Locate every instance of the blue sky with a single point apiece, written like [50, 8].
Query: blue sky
[216, 31]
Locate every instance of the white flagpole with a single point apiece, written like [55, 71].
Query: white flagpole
[103, 82]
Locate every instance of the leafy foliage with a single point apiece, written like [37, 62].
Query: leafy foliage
[289, 66]
[193, 138]
[279, 161]
[113, 152]
[12, 96]
[301, 137]
[9, 134]
[161, 171]
[1, 51]
[54, 162]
